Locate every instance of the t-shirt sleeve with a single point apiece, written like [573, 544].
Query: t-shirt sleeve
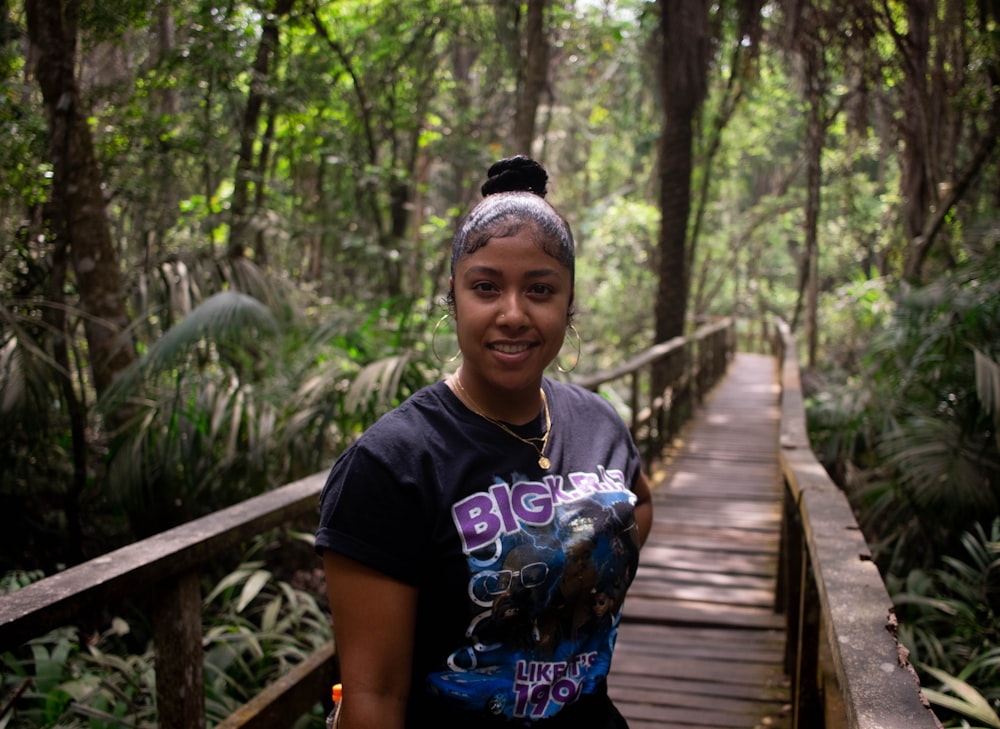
[619, 435]
[373, 515]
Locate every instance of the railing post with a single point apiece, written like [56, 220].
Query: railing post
[786, 597]
[634, 402]
[807, 705]
[180, 695]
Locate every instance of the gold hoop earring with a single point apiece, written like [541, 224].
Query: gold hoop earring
[434, 343]
[579, 347]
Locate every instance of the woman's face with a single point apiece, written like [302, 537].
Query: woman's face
[512, 305]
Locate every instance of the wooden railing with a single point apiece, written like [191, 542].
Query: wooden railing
[847, 668]
[666, 382]
[166, 569]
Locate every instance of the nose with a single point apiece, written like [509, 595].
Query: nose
[512, 312]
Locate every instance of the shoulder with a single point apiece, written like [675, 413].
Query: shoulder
[566, 395]
[426, 404]
[406, 426]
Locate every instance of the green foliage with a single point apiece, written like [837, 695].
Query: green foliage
[950, 620]
[257, 626]
[616, 256]
[966, 701]
[232, 401]
[69, 682]
[911, 433]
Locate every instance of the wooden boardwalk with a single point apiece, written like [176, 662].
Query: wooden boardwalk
[700, 646]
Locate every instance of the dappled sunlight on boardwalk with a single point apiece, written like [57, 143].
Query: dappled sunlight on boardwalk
[701, 645]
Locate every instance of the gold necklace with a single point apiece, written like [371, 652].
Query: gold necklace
[543, 460]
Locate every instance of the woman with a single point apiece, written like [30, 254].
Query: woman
[478, 540]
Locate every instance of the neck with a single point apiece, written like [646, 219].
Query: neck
[514, 408]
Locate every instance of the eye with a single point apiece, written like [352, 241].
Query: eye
[541, 289]
[485, 287]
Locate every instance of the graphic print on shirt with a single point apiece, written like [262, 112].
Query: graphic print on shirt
[549, 564]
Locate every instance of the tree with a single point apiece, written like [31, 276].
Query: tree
[813, 29]
[391, 94]
[949, 110]
[77, 216]
[261, 71]
[532, 74]
[683, 85]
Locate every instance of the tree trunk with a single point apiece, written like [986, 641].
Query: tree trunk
[917, 184]
[76, 411]
[815, 133]
[76, 194]
[261, 256]
[532, 77]
[167, 192]
[240, 210]
[683, 84]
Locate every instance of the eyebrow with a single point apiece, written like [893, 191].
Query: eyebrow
[481, 270]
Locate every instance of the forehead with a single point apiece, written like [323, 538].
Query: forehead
[521, 250]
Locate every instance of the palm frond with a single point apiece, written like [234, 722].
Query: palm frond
[228, 317]
[988, 387]
[377, 384]
[939, 468]
[26, 369]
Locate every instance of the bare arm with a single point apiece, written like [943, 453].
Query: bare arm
[643, 507]
[374, 620]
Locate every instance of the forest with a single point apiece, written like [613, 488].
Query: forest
[224, 240]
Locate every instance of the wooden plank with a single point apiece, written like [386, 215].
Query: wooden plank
[700, 646]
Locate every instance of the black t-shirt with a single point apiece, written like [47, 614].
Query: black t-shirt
[521, 571]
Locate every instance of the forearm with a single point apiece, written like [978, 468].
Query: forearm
[373, 624]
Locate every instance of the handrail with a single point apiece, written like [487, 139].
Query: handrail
[166, 567]
[668, 380]
[843, 657]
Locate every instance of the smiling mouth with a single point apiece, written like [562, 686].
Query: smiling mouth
[511, 348]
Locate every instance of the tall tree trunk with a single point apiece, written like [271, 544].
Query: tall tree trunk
[167, 193]
[76, 194]
[683, 84]
[917, 184]
[261, 256]
[76, 410]
[532, 77]
[240, 208]
[815, 134]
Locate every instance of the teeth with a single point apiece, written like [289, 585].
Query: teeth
[510, 348]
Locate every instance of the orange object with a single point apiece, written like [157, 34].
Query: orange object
[337, 692]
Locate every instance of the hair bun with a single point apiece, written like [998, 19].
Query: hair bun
[516, 174]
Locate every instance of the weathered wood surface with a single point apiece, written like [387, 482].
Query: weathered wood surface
[701, 645]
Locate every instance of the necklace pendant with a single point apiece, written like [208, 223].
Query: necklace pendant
[544, 462]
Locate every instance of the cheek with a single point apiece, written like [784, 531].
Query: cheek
[468, 317]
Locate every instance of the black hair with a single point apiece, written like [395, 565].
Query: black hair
[514, 199]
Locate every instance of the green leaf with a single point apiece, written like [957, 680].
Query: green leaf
[271, 614]
[258, 580]
[969, 701]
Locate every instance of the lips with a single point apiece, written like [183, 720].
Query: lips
[511, 348]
